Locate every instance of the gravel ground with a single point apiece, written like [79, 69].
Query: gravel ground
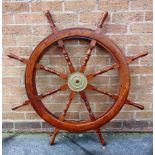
[78, 144]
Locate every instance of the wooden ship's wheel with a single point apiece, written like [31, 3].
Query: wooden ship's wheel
[77, 81]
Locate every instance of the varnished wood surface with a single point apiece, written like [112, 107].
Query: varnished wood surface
[109, 46]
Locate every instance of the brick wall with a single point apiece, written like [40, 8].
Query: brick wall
[129, 25]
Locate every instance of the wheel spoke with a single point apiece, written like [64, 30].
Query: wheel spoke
[139, 106]
[63, 87]
[62, 116]
[67, 58]
[114, 66]
[87, 57]
[131, 59]
[51, 70]
[91, 115]
[92, 75]
[115, 97]
[39, 66]
[41, 96]
[13, 56]
[20, 105]
[60, 42]
[83, 96]
[93, 43]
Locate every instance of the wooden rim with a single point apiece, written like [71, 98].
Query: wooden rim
[86, 34]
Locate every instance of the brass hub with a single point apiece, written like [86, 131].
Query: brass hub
[77, 81]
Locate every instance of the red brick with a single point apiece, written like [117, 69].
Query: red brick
[13, 116]
[16, 30]
[149, 16]
[147, 61]
[141, 5]
[8, 99]
[5, 91]
[145, 98]
[69, 115]
[102, 107]
[32, 116]
[15, 7]
[125, 115]
[43, 6]
[60, 61]
[17, 91]
[100, 80]
[79, 5]
[91, 17]
[114, 80]
[97, 60]
[141, 69]
[141, 28]
[134, 50]
[115, 28]
[146, 78]
[11, 81]
[46, 125]
[72, 42]
[116, 124]
[8, 40]
[126, 17]
[85, 115]
[126, 39]
[43, 81]
[129, 108]
[57, 81]
[7, 19]
[144, 115]
[78, 50]
[147, 39]
[65, 18]
[55, 107]
[6, 107]
[28, 40]
[141, 89]
[62, 99]
[99, 98]
[20, 51]
[113, 5]
[41, 30]
[30, 18]
[101, 51]
[13, 72]
[77, 107]
[7, 62]
[39, 18]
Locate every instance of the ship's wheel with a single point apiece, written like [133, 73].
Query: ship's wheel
[77, 81]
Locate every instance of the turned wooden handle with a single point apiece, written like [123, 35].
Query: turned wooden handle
[18, 106]
[139, 106]
[49, 17]
[141, 55]
[105, 13]
[13, 56]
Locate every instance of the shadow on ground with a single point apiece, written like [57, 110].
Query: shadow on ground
[78, 144]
